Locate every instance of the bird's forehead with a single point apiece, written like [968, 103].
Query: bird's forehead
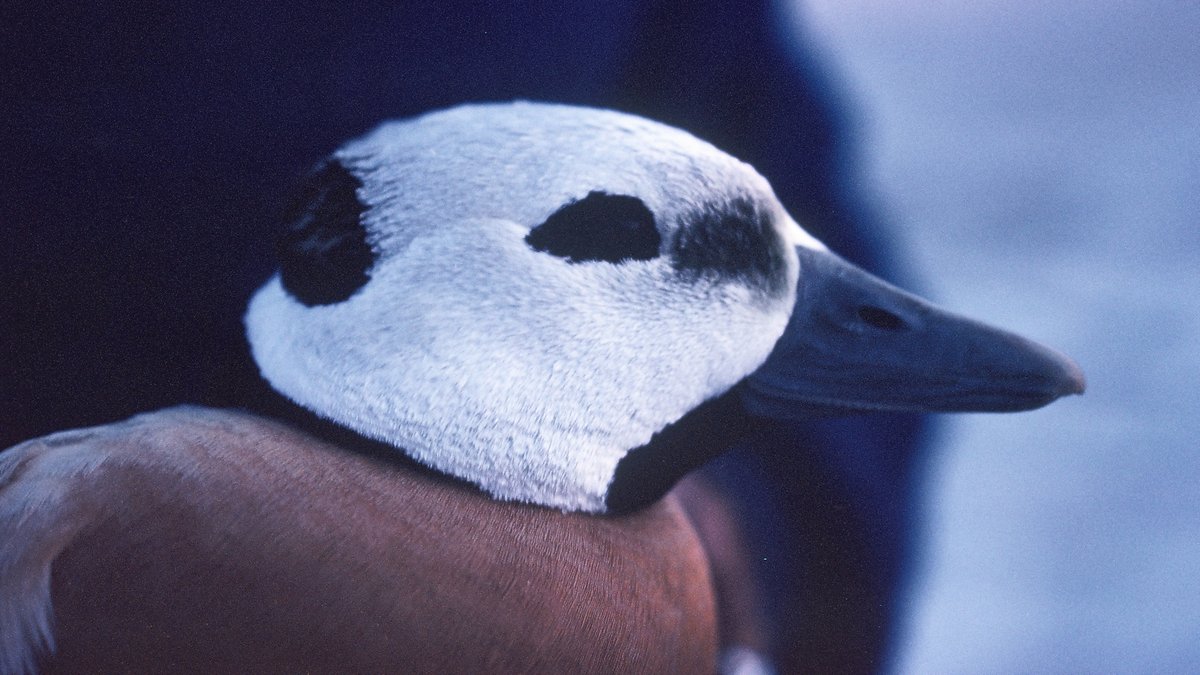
[519, 162]
[522, 163]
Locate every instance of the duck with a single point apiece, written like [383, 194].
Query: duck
[500, 335]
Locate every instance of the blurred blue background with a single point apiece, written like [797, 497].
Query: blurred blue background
[1042, 163]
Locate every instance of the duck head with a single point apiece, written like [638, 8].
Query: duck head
[572, 307]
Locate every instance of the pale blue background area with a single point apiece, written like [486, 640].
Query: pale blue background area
[1041, 162]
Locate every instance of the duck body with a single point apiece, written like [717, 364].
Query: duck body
[203, 540]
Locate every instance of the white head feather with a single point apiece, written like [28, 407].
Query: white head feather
[523, 372]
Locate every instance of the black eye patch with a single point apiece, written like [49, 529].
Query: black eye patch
[599, 227]
[323, 252]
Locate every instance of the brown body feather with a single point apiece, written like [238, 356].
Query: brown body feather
[205, 541]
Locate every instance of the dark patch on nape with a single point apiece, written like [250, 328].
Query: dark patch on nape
[323, 251]
[599, 227]
[648, 472]
[734, 241]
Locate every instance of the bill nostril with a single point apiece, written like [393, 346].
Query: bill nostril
[880, 318]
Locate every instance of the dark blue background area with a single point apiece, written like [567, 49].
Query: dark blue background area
[148, 149]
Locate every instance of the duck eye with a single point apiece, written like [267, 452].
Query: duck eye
[323, 252]
[611, 228]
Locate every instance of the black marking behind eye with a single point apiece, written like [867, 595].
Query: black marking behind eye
[323, 251]
[737, 241]
[601, 227]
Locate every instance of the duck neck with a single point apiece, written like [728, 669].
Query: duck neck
[641, 478]
[271, 403]
[648, 472]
